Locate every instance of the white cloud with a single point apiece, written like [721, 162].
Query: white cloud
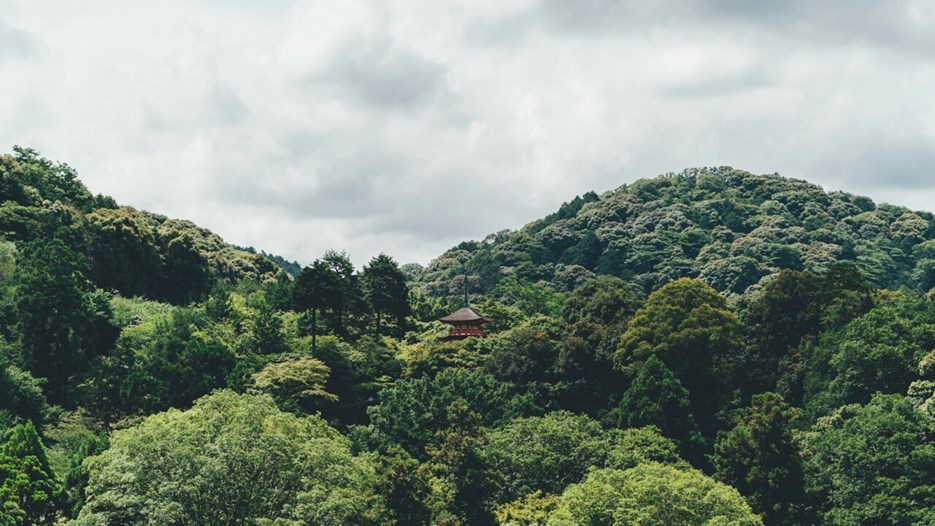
[407, 126]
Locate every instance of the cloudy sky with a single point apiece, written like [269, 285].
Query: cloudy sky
[407, 126]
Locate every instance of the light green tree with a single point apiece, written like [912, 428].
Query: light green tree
[652, 495]
[233, 460]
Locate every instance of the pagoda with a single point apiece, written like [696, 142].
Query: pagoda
[465, 323]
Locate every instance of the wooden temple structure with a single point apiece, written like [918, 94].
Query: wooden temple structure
[465, 323]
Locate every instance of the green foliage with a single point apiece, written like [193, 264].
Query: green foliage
[403, 487]
[166, 361]
[57, 317]
[657, 398]
[20, 395]
[640, 445]
[651, 495]
[727, 226]
[783, 318]
[532, 510]
[759, 458]
[28, 179]
[872, 464]
[531, 298]
[30, 494]
[297, 384]
[231, 459]
[544, 453]
[688, 326]
[604, 300]
[387, 294]
[412, 411]
[124, 251]
[525, 353]
[458, 474]
[877, 352]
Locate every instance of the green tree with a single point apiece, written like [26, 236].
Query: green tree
[328, 288]
[30, 494]
[20, 395]
[657, 398]
[265, 328]
[124, 252]
[688, 325]
[459, 478]
[651, 495]
[877, 352]
[759, 458]
[872, 464]
[56, 318]
[187, 276]
[387, 295]
[297, 384]
[169, 360]
[411, 412]
[231, 459]
[544, 453]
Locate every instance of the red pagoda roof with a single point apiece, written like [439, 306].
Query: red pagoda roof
[465, 315]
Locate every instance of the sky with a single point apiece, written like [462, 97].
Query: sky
[405, 127]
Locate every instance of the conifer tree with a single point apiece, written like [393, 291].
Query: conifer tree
[29, 492]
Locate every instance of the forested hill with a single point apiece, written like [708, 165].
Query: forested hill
[726, 226]
[152, 374]
[133, 252]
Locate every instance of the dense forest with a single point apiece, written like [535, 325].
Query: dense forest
[705, 348]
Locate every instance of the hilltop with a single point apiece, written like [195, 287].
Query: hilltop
[725, 226]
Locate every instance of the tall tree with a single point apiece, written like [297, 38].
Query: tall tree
[56, 319]
[459, 475]
[328, 286]
[30, 494]
[657, 398]
[688, 325]
[387, 295]
[759, 458]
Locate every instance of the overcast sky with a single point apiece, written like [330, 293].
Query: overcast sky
[405, 127]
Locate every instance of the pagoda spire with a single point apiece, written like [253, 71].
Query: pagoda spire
[465, 289]
[465, 323]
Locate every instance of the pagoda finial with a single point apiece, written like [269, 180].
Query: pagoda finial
[465, 289]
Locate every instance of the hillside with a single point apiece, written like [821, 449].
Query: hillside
[152, 374]
[725, 226]
[133, 252]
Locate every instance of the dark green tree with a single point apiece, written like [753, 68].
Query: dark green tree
[459, 476]
[265, 334]
[124, 253]
[759, 458]
[387, 295]
[411, 412]
[657, 398]
[544, 453]
[872, 464]
[186, 275]
[328, 288]
[688, 325]
[55, 316]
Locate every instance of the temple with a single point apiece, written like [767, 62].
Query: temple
[465, 323]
